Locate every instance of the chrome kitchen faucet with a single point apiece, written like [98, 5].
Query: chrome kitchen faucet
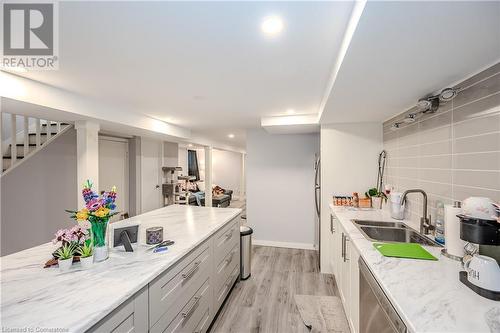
[425, 222]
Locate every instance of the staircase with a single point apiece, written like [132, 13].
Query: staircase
[26, 136]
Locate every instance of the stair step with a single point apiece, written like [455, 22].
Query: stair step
[32, 138]
[7, 161]
[8, 157]
[55, 124]
[22, 144]
[20, 149]
[42, 134]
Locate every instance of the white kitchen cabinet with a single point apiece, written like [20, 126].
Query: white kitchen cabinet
[346, 270]
[354, 296]
[130, 317]
[186, 297]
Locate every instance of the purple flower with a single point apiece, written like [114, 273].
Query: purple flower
[94, 204]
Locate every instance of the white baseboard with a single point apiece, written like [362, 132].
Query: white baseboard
[303, 246]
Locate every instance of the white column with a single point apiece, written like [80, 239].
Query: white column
[208, 176]
[87, 150]
[242, 177]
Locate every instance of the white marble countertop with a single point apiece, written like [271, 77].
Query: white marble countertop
[427, 294]
[39, 298]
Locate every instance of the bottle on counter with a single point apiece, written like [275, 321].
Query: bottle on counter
[355, 199]
[439, 235]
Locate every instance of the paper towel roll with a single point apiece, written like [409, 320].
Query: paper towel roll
[453, 244]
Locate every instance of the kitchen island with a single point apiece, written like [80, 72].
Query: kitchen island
[34, 298]
[427, 295]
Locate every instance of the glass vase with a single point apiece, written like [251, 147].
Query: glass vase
[99, 239]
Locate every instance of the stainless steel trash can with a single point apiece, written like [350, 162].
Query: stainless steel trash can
[245, 252]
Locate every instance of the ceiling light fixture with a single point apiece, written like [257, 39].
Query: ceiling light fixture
[231, 136]
[410, 118]
[448, 94]
[428, 105]
[272, 25]
[190, 145]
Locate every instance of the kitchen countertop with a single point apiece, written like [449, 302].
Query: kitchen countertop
[39, 298]
[427, 294]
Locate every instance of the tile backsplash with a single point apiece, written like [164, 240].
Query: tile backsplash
[453, 153]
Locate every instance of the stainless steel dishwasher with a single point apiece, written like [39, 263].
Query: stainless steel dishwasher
[376, 313]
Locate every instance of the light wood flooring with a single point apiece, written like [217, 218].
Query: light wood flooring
[265, 302]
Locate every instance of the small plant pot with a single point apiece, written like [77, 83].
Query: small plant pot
[87, 262]
[65, 264]
[377, 202]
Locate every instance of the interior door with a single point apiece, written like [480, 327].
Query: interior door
[151, 174]
[113, 170]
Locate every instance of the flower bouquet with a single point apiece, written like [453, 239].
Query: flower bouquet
[95, 216]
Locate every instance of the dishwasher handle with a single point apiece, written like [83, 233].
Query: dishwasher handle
[383, 301]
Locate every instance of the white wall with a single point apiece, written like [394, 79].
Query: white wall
[280, 188]
[349, 161]
[36, 193]
[226, 170]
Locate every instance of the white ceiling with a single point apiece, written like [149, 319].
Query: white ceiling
[201, 65]
[207, 67]
[402, 51]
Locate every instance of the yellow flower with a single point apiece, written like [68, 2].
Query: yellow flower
[82, 215]
[101, 212]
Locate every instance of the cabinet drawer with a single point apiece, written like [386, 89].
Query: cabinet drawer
[226, 266]
[221, 293]
[191, 316]
[172, 290]
[204, 323]
[131, 316]
[226, 239]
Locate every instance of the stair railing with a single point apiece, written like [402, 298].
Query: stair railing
[36, 133]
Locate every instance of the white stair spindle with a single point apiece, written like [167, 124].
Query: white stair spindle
[58, 127]
[13, 140]
[26, 137]
[48, 130]
[37, 137]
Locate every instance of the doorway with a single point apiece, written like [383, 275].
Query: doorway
[114, 170]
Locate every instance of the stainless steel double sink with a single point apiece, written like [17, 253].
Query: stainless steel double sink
[396, 232]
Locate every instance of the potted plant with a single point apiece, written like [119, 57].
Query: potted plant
[65, 257]
[86, 252]
[95, 215]
[71, 238]
[378, 198]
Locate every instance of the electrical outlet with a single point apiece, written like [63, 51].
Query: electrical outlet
[133, 232]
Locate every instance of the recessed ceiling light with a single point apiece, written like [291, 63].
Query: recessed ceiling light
[190, 145]
[272, 25]
[231, 136]
[290, 111]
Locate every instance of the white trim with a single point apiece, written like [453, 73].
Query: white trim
[303, 246]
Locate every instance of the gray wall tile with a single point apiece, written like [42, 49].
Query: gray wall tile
[453, 154]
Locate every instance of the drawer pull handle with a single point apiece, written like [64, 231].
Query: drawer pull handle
[228, 260]
[229, 235]
[189, 273]
[191, 308]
